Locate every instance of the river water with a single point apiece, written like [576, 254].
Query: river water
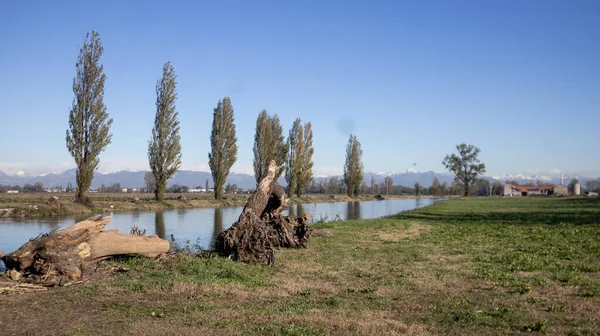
[199, 226]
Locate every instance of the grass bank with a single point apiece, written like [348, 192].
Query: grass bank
[41, 205]
[459, 267]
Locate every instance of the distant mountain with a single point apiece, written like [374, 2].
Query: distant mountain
[190, 178]
[5, 179]
[129, 179]
[549, 179]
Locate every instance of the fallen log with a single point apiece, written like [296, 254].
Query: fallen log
[61, 256]
[261, 228]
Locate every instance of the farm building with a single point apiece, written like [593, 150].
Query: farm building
[561, 190]
[547, 190]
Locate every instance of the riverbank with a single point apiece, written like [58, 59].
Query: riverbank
[486, 266]
[48, 205]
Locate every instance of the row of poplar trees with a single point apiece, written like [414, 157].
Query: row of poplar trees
[89, 133]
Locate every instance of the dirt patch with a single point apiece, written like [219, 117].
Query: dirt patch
[398, 234]
[321, 233]
[528, 274]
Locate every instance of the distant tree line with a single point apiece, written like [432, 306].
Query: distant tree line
[88, 135]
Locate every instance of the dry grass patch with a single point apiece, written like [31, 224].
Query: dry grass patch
[398, 234]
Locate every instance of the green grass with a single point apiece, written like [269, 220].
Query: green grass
[485, 266]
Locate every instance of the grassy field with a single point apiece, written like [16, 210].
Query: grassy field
[492, 266]
[38, 204]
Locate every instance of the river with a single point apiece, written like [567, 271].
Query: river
[199, 226]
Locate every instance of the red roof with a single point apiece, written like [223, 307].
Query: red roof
[529, 188]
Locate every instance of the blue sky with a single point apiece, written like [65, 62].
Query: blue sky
[518, 79]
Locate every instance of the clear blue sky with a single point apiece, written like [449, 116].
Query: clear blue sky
[519, 79]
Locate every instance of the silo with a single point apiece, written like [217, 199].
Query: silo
[577, 189]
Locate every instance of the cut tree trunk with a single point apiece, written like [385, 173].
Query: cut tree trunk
[261, 227]
[61, 256]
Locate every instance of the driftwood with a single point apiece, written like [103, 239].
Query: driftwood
[261, 227]
[61, 256]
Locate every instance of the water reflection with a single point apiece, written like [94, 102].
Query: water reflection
[300, 209]
[53, 222]
[218, 226]
[159, 224]
[296, 210]
[197, 225]
[353, 210]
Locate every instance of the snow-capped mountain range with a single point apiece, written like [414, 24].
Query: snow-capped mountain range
[135, 178]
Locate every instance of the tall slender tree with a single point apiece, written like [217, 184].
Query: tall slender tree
[353, 169]
[372, 184]
[299, 165]
[435, 186]
[269, 144]
[388, 184]
[223, 145]
[89, 123]
[294, 159]
[305, 174]
[164, 149]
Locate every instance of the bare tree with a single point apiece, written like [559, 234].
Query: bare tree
[164, 149]
[593, 185]
[353, 169]
[89, 124]
[465, 166]
[388, 184]
[223, 145]
[150, 182]
[269, 144]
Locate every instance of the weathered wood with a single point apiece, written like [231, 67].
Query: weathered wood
[55, 245]
[61, 256]
[261, 228]
[111, 243]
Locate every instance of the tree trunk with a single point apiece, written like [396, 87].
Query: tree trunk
[261, 228]
[62, 256]
[159, 192]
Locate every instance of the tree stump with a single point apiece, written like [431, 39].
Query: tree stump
[261, 228]
[61, 256]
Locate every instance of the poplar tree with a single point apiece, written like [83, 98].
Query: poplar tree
[294, 163]
[89, 123]
[299, 161]
[164, 149]
[372, 185]
[388, 184]
[269, 144]
[353, 169]
[305, 174]
[435, 186]
[223, 145]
